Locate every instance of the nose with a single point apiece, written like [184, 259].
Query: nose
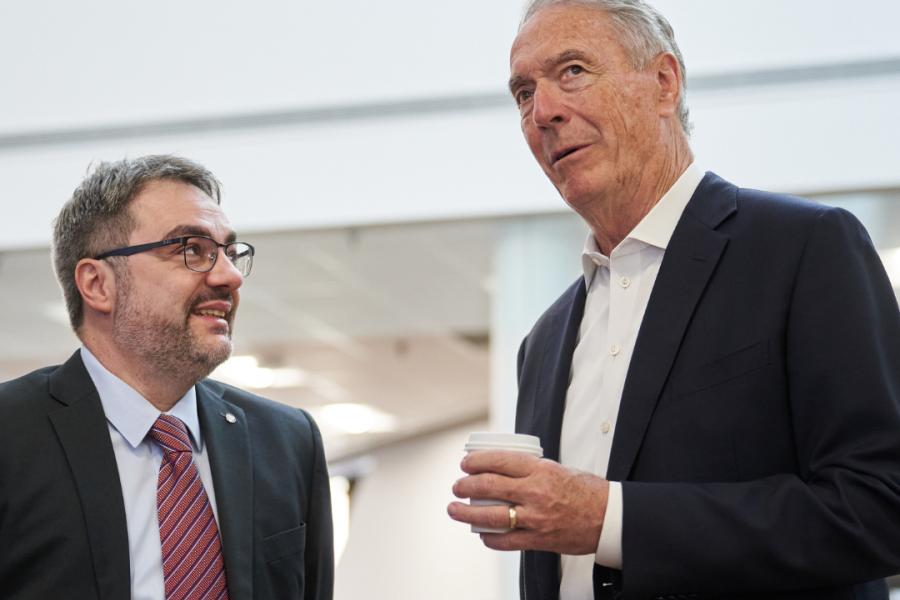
[224, 273]
[548, 106]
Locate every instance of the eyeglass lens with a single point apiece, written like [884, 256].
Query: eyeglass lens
[200, 255]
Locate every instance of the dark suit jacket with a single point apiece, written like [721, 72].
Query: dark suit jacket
[758, 436]
[62, 517]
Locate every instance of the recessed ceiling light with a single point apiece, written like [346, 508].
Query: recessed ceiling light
[244, 371]
[348, 417]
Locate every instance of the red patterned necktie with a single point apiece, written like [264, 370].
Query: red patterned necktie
[193, 568]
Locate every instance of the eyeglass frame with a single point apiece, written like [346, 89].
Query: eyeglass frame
[137, 249]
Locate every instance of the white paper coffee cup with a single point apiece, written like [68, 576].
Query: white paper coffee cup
[513, 442]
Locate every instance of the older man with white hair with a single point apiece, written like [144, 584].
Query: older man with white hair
[718, 396]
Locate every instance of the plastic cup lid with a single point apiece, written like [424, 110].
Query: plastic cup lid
[489, 440]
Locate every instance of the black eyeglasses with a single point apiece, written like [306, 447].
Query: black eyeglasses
[200, 252]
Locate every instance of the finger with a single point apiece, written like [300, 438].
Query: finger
[518, 539]
[493, 517]
[487, 486]
[504, 462]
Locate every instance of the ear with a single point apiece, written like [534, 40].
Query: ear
[96, 281]
[668, 77]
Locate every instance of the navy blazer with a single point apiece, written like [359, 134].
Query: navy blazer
[62, 516]
[758, 436]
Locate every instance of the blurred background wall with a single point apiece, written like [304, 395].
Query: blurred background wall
[406, 239]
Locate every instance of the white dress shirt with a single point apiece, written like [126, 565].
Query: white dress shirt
[618, 289]
[130, 417]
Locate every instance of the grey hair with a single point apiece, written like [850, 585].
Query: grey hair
[97, 217]
[644, 32]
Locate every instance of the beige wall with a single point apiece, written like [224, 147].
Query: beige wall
[402, 544]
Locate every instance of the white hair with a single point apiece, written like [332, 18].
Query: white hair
[644, 32]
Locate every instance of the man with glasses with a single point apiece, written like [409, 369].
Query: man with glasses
[126, 473]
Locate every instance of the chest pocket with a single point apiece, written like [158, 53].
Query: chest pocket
[723, 369]
[285, 543]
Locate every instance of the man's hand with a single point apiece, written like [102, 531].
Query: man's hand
[558, 509]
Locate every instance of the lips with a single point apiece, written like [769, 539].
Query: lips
[218, 309]
[566, 151]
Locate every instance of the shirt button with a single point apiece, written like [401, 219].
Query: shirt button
[614, 349]
[624, 282]
[605, 427]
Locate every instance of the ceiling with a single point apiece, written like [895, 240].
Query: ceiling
[396, 318]
[391, 317]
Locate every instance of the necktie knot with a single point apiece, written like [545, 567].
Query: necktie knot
[171, 434]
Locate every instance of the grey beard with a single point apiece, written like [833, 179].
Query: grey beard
[167, 348]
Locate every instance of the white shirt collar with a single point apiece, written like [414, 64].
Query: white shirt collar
[655, 229]
[129, 412]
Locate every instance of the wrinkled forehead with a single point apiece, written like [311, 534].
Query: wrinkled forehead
[559, 28]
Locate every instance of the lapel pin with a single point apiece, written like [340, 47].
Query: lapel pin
[230, 418]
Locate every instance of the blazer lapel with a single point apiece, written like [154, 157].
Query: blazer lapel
[232, 471]
[690, 259]
[540, 570]
[84, 435]
[552, 382]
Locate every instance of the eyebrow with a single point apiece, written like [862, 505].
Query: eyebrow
[515, 82]
[570, 55]
[185, 230]
[563, 57]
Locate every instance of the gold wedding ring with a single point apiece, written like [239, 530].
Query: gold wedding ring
[513, 518]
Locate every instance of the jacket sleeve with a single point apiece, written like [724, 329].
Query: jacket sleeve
[320, 540]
